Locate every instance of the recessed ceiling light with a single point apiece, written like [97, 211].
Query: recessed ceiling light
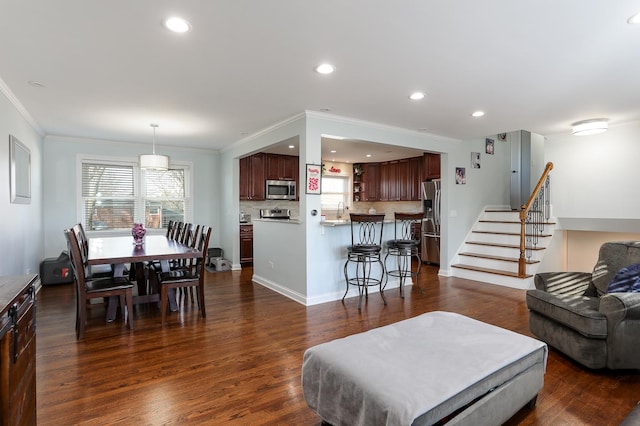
[325, 69]
[478, 114]
[291, 146]
[333, 151]
[176, 24]
[35, 83]
[416, 96]
[368, 155]
[635, 19]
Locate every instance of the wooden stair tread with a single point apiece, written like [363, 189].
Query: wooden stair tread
[510, 233]
[503, 258]
[489, 271]
[481, 243]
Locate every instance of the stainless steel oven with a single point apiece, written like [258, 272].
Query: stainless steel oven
[280, 190]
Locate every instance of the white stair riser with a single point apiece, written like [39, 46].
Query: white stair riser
[501, 216]
[513, 240]
[492, 264]
[497, 227]
[493, 278]
[501, 251]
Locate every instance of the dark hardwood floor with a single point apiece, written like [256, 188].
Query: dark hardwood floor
[241, 365]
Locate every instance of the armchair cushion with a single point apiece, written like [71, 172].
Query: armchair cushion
[627, 279]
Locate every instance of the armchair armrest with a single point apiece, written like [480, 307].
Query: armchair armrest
[620, 306]
[563, 282]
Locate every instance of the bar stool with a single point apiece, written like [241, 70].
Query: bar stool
[407, 233]
[364, 251]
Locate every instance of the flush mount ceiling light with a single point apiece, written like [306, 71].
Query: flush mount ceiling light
[590, 127]
[154, 161]
[635, 19]
[416, 96]
[325, 69]
[176, 24]
[477, 114]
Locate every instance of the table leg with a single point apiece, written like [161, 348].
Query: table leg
[112, 307]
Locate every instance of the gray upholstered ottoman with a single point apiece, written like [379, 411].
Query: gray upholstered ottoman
[422, 370]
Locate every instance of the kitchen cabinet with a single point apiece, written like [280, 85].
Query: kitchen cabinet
[430, 166]
[246, 244]
[367, 184]
[389, 181]
[17, 350]
[413, 179]
[281, 167]
[252, 177]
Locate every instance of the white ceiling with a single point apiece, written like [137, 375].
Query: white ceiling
[109, 68]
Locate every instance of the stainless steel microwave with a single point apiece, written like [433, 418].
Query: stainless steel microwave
[280, 190]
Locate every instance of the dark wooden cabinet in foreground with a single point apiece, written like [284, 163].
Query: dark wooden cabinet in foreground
[246, 244]
[17, 350]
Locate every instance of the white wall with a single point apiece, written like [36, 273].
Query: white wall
[60, 190]
[21, 245]
[596, 176]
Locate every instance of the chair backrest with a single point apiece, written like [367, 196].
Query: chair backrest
[202, 246]
[169, 228]
[78, 260]
[176, 231]
[612, 257]
[408, 226]
[366, 229]
[185, 236]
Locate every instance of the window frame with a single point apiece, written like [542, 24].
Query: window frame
[139, 190]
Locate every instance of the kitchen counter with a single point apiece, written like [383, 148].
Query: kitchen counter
[339, 222]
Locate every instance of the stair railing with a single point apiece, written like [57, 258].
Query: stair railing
[533, 217]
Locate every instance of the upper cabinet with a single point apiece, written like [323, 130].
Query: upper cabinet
[282, 167]
[430, 166]
[252, 177]
[397, 180]
[257, 168]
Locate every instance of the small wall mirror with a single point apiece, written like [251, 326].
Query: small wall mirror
[20, 179]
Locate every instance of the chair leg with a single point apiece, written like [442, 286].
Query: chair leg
[164, 300]
[346, 277]
[129, 300]
[200, 291]
[417, 256]
[382, 277]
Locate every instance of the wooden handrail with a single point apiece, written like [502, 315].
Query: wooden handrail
[524, 212]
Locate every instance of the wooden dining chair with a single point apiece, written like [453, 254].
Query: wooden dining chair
[92, 271]
[192, 276]
[87, 289]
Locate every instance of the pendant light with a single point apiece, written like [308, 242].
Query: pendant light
[154, 161]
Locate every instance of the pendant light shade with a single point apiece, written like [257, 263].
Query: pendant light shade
[590, 127]
[154, 161]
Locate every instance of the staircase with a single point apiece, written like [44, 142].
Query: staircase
[492, 248]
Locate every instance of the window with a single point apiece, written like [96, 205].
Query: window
[115, 195]
[335, 190]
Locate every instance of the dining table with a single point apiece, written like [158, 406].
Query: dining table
[119, 251]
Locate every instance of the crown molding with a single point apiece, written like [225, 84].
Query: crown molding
[21, 109]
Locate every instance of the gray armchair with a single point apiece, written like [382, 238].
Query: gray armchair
[572, 311]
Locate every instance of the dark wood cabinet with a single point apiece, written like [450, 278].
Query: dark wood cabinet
[252, 177]
[430, 166]
[413, 179]
[246, 244]
[389, 181]
[371, 182]
[17, 350]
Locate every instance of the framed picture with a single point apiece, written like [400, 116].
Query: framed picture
[461, 177]
[313, 179]
[20, 171]
[489, 145]
[475, 160]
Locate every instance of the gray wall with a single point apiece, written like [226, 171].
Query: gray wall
[21, 225]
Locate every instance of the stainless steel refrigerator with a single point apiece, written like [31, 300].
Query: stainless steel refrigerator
[431, 195]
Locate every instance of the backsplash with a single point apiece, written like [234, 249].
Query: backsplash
[386, 207]
[253, 207]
